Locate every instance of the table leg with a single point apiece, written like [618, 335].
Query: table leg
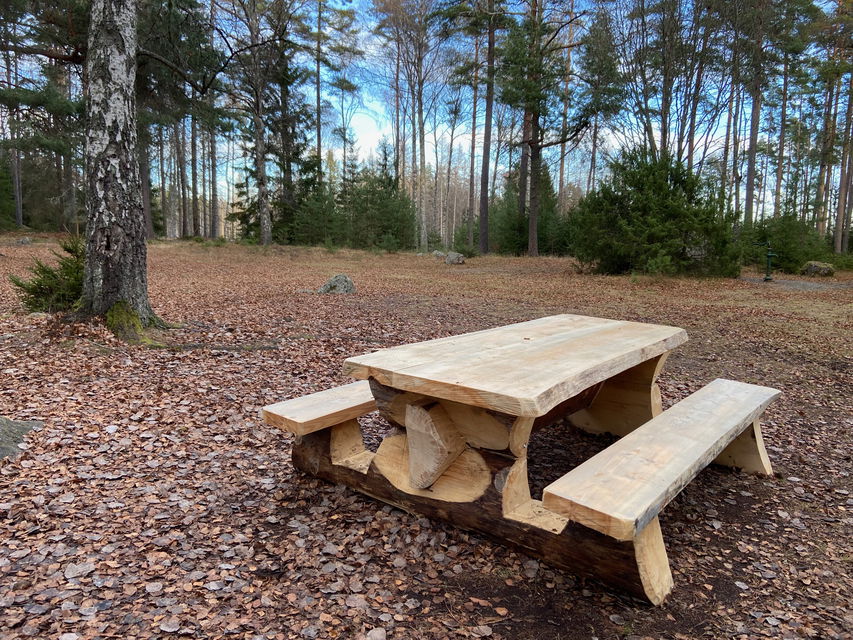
[625, 401]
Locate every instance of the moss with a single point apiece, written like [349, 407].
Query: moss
[125, 323]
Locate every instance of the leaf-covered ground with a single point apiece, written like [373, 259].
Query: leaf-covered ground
[154, 503]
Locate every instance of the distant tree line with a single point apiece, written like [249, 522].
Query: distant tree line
[514, 126]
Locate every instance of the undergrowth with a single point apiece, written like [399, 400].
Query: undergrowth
[54, 288]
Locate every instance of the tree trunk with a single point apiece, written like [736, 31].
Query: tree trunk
[535, 173]
[214, 187]
[780, 154]
[398, 138]
[735, 184]
[590, 180]
[498, 149]
[205, 221]
[825, 150]
[695, 99]
[115, 269]
[194, 174]
[472, 192]
[164, 210]
[561, 186]
[14, 154]
[181, 172]
[261, 179]
[448, 233]
[823, 194]
[317, 87]
[487, 132]
[755, 117]
[523, 163]
[422, 154]
[145, 184]
[844, 183]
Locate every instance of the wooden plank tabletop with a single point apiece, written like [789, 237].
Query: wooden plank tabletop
[523, 369]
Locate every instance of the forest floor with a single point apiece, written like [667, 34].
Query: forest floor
[154, 502]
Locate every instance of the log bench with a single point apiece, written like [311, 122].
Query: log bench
[336, 409]
[620, 491]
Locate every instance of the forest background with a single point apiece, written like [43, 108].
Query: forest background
[697, 131]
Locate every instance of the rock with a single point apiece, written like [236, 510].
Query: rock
[454, 258]
[25, 240]
[376, 634]
[12, 434]
[338, 284]
[815, 268]
[438, 254]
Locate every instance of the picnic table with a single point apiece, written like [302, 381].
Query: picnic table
[466, 406]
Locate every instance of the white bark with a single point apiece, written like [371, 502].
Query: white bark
[115, 234]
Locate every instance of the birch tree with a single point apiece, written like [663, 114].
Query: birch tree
[115, 268]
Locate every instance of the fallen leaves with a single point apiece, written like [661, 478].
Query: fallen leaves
[155, 502]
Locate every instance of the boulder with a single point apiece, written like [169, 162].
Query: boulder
[454, 258]
[815, 268]
[338, 284]
[12, 433]
[438, 254]
[25, 240]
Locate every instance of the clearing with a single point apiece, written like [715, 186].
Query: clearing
[155, 502]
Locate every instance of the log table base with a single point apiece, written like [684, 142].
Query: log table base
[637, 566]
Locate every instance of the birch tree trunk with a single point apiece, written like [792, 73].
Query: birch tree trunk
[115, 269]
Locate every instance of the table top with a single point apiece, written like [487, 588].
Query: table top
[523, 369]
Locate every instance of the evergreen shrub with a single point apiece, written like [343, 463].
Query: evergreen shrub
[58, 288]
[794, 242]
[653, 216]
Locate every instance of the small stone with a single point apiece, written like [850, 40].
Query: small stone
[454, 258]
[377, 634]
[741, 585]
[339, 283]
[531, 568]
[617, 619]
[309, 632]
[69, 636]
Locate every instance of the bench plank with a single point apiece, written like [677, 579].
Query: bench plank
[621, 489]
[320, 410]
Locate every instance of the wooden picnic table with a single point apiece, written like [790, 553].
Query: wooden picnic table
[466, 407]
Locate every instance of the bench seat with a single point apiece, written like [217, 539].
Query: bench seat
[623, 488]
[321, 410]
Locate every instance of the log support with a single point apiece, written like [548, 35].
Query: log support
[636, 566]
[747, 452]
[625, 401]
